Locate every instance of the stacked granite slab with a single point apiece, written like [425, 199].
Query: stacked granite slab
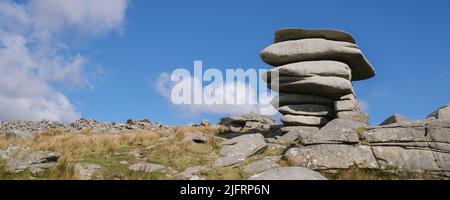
[313, 73]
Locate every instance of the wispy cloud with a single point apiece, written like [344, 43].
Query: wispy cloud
[35, 53]
[363, 105]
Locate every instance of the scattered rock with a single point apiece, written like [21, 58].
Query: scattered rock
[145, 167]
[196, 137]
[20, 158]
[26, 129]
[288, 173]
[189, 172]
[236, 150]
[19, 134]
[86, 171]
[248, 122]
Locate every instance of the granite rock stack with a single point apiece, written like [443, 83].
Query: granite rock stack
[313, 73]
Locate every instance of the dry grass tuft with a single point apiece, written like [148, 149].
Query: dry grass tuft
[74, 146]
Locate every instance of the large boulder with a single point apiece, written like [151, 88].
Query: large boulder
[284, 99]
[311, 68]
[405, 160]
[20, 158]
[307, 109]
[323, 157]
[441, 113]
[319, 49]
[298, 34]
[299, 120]
[354, 115]
[329, 86]
[346, 105]
[288, 173]
[236, 150]
[248, 122]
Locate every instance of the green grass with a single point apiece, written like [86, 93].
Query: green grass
[226, 173]
[374, 174]
[181, 155]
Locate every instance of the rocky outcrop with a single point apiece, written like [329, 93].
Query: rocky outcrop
[248, 122]
[441, 113]
[18, 159]
[29, 129]
[313, 72]
[400, 145]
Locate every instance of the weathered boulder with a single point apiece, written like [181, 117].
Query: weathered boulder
[196, 137]
[325, 157]
[311, 68]
[338, 131]
[319, 49]
[396, 118]
[307, 110]
[329, 86]
[406, 160]
[288, 173]
[236, 150]
[248, 122]
[299, 120]
[354, 115]
[293, 135]
[260, 166]
[298, 34]
[346, 105]
[284, 99]
[441, 113]
[20, 158]
[287, 129]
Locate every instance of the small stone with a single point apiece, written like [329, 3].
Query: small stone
[145, 167]
[86, 171]
[288, 173]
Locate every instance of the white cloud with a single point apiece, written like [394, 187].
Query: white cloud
[231, 90]
[363, 105]
[35, 58]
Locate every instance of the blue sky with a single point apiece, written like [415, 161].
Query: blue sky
[407, 42]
